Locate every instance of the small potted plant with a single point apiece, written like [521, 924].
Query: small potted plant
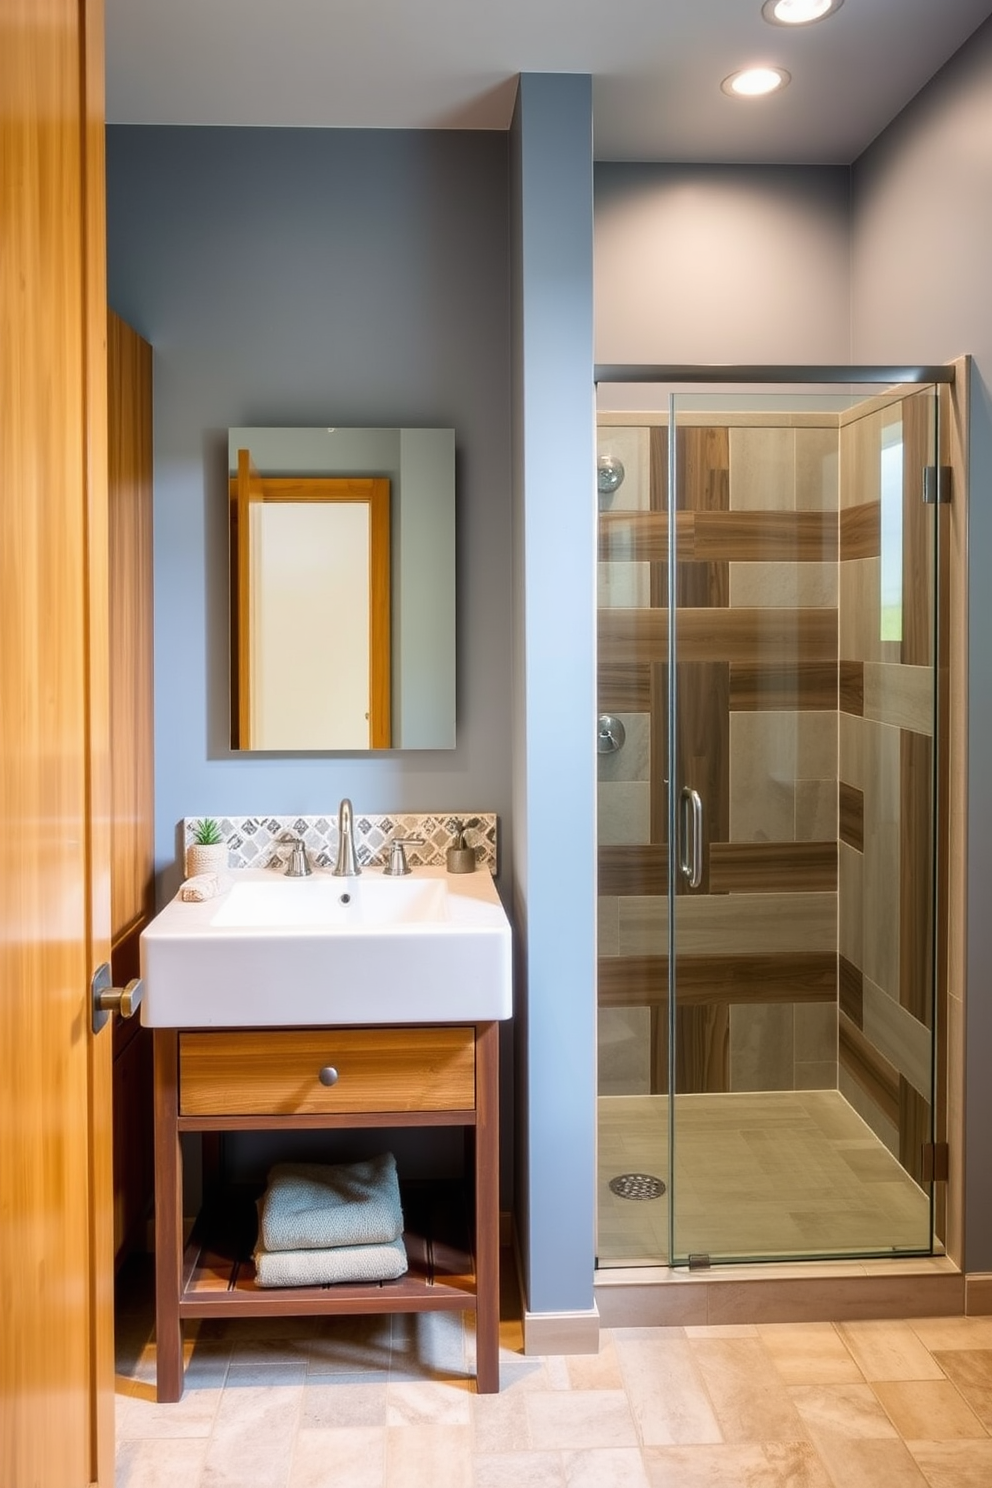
[206, 851]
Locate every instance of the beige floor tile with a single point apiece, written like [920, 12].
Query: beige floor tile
[665, 1389]
[809, 1354]
[750, 1402]
[957, 1464]
[796, 1465]
[351, 1348]
[163, 1463]
[288, 1369]
[520, 1470]
[927, 1410]
[350, 1401]
[252, 1439]
[428, 1457]
[871, 1464]
[501, 1423]
[850, 1412]
[711, 1467]
[576, 1419]
[971, 1371]
[953, 1333]
[354, 1455]
[429, 1403]
[889, 1351]
[610, 1467]
[193, 1415]
[426, 1345]
[595, 1371]
[721, 1330]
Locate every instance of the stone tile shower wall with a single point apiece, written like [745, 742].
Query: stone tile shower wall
[757, 590]
[886, 763]
[805, 953]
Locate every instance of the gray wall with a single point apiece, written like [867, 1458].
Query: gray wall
[699, 263]
[304, 277]
[554, 777]
[921, 269]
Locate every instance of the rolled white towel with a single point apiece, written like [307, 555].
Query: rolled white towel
[203, 886]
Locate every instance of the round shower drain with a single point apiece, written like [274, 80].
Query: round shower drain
[637, 1186]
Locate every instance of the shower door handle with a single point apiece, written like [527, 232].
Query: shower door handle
[691, 835]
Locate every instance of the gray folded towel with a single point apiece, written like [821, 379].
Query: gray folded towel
[315, 1206]
[356, 1263]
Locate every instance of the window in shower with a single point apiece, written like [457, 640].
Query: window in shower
[891, 485]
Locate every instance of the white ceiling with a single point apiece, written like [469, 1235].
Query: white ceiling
[656, 65]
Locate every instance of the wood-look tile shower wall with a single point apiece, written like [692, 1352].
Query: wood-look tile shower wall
[769, 624]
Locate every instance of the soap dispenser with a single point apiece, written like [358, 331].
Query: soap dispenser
[461, 857]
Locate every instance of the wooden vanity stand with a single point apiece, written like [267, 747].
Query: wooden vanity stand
[226, 1080]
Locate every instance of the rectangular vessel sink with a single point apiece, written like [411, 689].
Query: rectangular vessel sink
[273, 951]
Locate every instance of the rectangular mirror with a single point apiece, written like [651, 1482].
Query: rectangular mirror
[342, 589]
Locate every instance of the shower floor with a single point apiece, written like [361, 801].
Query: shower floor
[776, 1174]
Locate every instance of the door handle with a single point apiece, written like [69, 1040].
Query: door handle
[691, 836]
[107, 999]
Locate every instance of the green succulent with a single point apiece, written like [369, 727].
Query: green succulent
[206, 833]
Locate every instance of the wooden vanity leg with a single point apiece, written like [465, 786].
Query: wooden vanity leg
[487, 1208]
[168, 1219]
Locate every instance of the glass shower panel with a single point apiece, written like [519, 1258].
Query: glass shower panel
[802, 705]
[633, 1157]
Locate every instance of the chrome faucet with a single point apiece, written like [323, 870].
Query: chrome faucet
[347, 865]
[298, 866]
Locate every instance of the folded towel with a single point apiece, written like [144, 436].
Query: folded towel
[313, 1206]
[356, 1263]
[203, 886]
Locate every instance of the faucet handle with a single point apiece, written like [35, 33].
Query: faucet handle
[298, 865]
[398, 865]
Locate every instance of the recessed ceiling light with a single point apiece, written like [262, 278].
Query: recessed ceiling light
[798, 12]
[755, 82]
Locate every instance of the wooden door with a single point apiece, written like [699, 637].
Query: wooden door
[56, 1260]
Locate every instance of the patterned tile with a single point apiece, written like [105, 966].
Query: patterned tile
[260, 841]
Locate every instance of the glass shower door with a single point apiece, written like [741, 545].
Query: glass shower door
[796, 701]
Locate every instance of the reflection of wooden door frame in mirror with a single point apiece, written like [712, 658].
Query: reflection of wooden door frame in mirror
[247, 490]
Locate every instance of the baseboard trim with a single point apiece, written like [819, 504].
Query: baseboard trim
[835, 1292]
[562, 1332]
[978, 1293]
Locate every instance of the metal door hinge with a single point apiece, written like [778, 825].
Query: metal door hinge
[937, 484]
[935, 1161]
[699, 1261]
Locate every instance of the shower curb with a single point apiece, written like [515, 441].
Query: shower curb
[842, 1291]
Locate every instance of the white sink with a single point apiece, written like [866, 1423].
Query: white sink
[273, 951]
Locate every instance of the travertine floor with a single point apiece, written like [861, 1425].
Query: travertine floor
[380, 1403]
[783, 1173]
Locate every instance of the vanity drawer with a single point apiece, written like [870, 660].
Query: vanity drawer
[278, 1073]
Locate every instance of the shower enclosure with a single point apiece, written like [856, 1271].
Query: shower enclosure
[770, 814]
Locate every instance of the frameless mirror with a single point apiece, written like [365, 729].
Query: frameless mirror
[342, 589]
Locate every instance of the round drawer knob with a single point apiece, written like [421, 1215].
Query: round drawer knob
[328, 1075]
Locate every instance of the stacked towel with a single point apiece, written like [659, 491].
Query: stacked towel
[320, 1223]
[203, 886]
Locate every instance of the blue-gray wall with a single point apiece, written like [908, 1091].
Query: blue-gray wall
[706, 263]
[292, 276]
[554, 779]
[921, 290]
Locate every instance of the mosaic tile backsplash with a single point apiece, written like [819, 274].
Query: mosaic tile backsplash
[262, 841]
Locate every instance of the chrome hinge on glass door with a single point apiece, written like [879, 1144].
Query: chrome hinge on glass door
[691, 836]
[937, 485]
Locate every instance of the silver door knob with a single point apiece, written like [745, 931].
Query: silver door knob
[328, 1075]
